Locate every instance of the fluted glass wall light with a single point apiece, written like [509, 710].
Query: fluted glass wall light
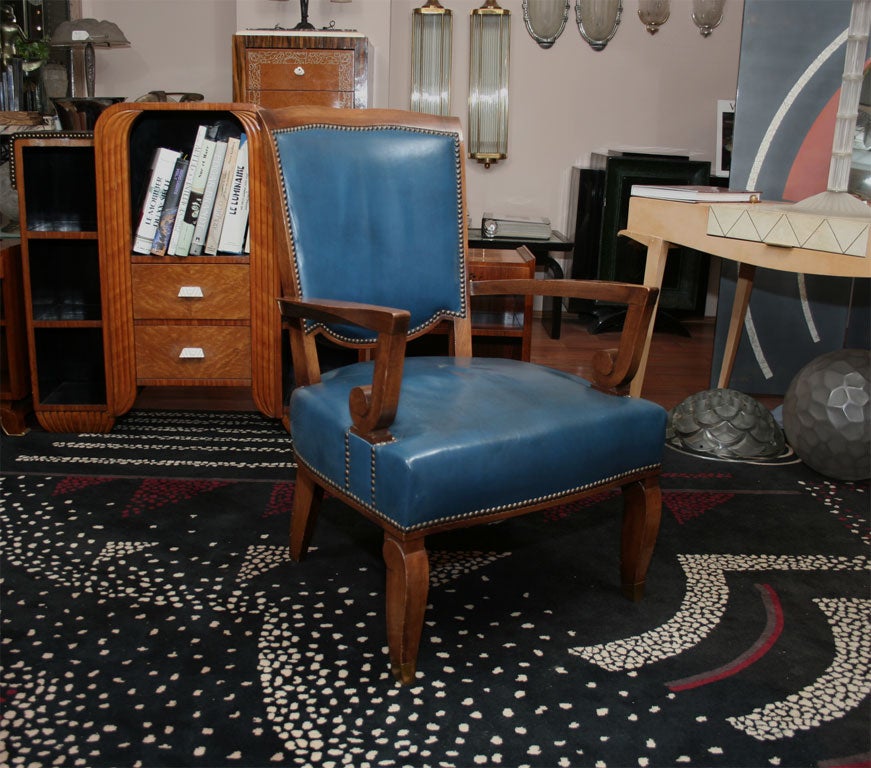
[598, 20]
[653, 14]
[488, 83]
[545, 19]
[707, 14]
[431, 35]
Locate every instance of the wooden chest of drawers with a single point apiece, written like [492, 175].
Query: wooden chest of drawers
[277, 68]
[191, 323]
[187, 322]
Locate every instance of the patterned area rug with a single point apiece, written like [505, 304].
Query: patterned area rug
[151, 618]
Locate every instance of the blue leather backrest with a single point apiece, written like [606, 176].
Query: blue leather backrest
[376, 216]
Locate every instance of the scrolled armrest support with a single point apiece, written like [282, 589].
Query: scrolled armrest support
[373, 406]
[612, 369]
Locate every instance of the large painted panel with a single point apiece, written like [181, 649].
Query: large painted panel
[789, 78]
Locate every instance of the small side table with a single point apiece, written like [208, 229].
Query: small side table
[501, 325]
[541, 249]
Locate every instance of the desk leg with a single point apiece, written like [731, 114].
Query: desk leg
[654, 268]
[552, 306]
[746, 273]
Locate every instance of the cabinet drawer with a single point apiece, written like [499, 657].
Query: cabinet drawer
[193, 352]
[191, 292]
[278, 99]
[300, 70]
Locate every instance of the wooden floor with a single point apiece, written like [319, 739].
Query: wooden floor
[679, 366]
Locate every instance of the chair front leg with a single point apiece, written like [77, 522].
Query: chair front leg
[307, 497]
[407, 587]
[642, 510]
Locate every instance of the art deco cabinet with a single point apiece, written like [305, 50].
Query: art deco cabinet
[194, 321]
[280, 68]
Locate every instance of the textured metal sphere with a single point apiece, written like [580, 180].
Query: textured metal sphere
[827, 414]
[726, 424]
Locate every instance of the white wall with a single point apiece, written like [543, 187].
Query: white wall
[641, 90]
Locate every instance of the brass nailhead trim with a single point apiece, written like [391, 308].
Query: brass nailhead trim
[478, 512]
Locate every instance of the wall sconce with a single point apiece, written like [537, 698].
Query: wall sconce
[653, 14]
[707, 15]
[431, 37]
[545, 19]
[488, 83]
[598, 20]
[85, 34]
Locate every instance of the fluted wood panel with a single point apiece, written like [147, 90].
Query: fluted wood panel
[254, 344]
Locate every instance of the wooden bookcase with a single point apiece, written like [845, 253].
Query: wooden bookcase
[231, 319]
[63, 301]
[280, 68]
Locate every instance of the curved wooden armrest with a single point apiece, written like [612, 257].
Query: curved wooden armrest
[373, 407]
[612, 369]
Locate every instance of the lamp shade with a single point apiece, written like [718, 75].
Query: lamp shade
[84, 31]
[85, 34]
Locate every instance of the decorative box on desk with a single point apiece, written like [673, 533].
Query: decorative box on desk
[194, 321]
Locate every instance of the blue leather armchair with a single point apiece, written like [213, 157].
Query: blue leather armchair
[373, 248]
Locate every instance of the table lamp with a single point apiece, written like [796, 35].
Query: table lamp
[85, 34]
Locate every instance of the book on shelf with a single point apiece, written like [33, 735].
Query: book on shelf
[531, 227]
[225, 184]
[235, 229]
[162, 166]
[225, 131]
[690, 193]
[188, 222]
[170, 207]
[193, 164]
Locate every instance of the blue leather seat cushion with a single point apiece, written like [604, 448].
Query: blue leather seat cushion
[472, 437]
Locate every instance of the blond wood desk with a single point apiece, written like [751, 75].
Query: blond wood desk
[659, 224]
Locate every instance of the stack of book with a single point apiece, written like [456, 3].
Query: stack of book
[197, 205]
[689, 193]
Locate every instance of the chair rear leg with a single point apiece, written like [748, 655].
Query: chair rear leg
[407, 586]
[307, 497]
[642, 510]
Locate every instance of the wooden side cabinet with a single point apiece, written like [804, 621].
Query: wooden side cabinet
[501, 325]
[281, 68]
[63, 300]
[193, 321]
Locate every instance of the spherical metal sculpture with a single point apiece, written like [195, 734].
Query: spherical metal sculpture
[827, 414]
[725, 423]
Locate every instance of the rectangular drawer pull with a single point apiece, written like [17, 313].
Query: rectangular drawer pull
[190, 292]
[192, 352]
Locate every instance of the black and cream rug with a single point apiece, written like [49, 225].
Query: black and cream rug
[151, 617]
